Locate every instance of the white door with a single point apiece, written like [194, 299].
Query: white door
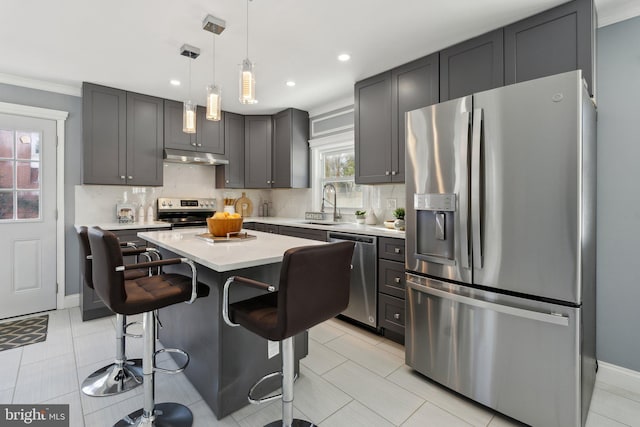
[27, 215]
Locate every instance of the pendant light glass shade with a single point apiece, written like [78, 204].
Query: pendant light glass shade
[247, 83]
[213, 103]
[189, 117]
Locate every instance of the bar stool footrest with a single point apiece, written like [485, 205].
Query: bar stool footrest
[126, 334]
[170, 371]
[268, 398]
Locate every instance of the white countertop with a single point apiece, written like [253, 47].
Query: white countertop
[346, 227]
[130, 225]
[267, 248]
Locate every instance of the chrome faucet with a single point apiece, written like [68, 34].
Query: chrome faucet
[336, 214]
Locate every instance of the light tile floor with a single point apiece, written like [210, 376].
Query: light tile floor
[350, 378]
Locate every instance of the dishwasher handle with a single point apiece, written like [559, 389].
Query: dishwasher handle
[352, 238]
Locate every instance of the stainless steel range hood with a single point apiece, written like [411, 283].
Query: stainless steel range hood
[193, 157]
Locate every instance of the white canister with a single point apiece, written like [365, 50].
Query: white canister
[230, 209]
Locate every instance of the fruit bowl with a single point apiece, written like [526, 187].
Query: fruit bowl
[220, 227]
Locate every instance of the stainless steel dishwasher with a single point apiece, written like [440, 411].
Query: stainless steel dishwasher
[363, 300]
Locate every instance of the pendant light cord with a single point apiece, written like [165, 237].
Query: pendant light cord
[190, 59]
[214, 59]
[247, 28]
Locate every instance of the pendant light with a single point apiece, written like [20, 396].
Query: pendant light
[247, 75]
[214, 96]
[189, 109]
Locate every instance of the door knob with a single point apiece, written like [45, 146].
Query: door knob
[396, 316]
[396, 250]
[397, 280]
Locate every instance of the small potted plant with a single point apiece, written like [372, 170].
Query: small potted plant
[360, 216]
[399, 216]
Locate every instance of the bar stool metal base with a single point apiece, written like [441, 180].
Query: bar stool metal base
[165, 415]
[113, 379]
[296, 423]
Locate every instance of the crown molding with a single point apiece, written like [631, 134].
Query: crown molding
[611, 14]
[11, 79]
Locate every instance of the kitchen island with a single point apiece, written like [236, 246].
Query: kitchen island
[225, 362]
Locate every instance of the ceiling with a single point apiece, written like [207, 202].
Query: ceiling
[134, 45]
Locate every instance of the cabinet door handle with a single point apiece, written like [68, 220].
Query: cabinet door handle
[122, 176]
[199, 145]
[397, 280]
[393, 172]
[193, 143]
[386, 172]
[227, 181]
[396, 250]
[130, 177]
[268, 182]
[396, 316]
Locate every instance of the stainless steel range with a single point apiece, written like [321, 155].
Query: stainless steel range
[185, 212]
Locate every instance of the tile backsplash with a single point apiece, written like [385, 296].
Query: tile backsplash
[97, 203]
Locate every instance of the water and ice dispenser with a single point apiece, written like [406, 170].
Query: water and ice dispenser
[435, 215]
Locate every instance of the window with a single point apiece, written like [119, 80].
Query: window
[19, 175]
[334, 163]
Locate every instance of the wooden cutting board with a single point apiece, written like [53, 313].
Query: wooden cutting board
[244, 206]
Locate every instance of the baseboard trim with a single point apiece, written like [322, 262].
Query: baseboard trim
[605, 368]
[72, 300]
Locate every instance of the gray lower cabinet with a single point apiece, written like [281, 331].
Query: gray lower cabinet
[472, 66]
[551, 42]
[305, 233]
[123, 137]
[391, 288]
[231, 175]
[372, 111]
[91, 306]
[267, 228]
[209, 136]
[258, 149]
[290, 166]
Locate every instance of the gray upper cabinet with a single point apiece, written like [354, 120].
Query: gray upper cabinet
[258, 148]
[554, 41]
[413, 85]
[472, 66]
[380, 105]
[372, 112]
[232, 175]
[290, 167]
[209, 136]
[123, 137]
[145, 139]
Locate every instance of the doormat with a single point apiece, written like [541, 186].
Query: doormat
[23, 332]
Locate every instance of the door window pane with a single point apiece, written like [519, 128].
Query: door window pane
[28, 146]
[28, 175]
[28, 204]
[6, 204]
[6, 174]
[6, 144]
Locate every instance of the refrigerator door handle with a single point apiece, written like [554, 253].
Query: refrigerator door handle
[464, 193]
[476, 189]
[556, 319]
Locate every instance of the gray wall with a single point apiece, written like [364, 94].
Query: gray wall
[618, 277]
[72, 161]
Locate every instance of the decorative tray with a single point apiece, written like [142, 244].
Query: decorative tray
[238, 236]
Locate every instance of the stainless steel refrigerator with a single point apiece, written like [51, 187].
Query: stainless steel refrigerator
[500, 248]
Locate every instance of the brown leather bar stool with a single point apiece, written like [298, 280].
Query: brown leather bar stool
[314, 287]
[123, 374]
[144, 295]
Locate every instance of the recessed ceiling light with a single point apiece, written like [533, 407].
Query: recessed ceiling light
[291, 83]
[174, 82]
[344, 57]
